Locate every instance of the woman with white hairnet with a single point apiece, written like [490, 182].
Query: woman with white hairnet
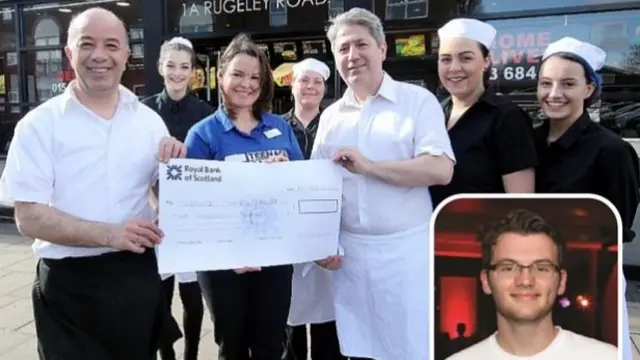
[492, 137]
[578, 155]
[308, 89]
[180, 110]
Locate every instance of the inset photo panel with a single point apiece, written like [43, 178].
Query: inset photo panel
[534, 277]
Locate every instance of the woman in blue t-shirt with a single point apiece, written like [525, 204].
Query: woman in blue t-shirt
[249, 306]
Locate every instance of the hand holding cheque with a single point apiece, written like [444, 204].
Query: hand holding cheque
[229, 215]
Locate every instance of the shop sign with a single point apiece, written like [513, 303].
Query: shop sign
[520, 43]
[516, 56]
[228, 7]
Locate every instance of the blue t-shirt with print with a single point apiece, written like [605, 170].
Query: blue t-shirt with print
[216, 138]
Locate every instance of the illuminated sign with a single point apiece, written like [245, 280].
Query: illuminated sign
[516, 56]
[520, 43]
[227, 7]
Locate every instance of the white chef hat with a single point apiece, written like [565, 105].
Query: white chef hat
[311, 64]
[181, 40]
[591, 54]
[468, 28]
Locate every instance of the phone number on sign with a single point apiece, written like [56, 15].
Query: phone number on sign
[514, 73]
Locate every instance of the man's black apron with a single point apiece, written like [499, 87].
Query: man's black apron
[107, 307]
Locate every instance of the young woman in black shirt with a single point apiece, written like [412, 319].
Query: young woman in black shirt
[180, 110]
[492, 138]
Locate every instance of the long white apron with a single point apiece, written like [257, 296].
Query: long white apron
[626, 336]
[311, 295]
[382, 295]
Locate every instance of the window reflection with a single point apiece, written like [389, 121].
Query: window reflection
[499, 6]
[195, 19]
[277, 14]
[7, 28]
[9, 97]
[47, 74]
[406, 9]
[336, 7]
[520, 43]
[47, 70]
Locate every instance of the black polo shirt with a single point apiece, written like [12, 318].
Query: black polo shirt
[179, 115]
[588, 158]
[494, 137]
[306, 136]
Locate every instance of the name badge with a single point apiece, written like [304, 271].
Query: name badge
[270, 134]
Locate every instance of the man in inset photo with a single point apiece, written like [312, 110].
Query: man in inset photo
[524, 271]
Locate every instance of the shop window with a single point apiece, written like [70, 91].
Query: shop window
[336, 7]
[406, 9]
[503, 6]
[47, 70]
[277, 14]
[9, 98]
[520, 43]
[48, 73]
[8, 38]
[46, 24]
[195, 19]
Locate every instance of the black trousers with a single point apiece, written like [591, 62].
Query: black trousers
[107, 307]
[249, 311]
[324, 342]
[193, 312]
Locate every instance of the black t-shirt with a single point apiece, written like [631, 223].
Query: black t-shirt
[494, 137]
[590, 159]
[306, 136]
[179, 115]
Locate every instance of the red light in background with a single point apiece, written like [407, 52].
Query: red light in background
[458, 304]
[583, 301]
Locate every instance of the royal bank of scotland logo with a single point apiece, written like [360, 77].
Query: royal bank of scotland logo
[174, 172]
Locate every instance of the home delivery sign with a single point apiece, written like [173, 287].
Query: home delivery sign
[520, 43]
[228, 7]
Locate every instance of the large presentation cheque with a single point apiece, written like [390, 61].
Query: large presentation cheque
[225, 215]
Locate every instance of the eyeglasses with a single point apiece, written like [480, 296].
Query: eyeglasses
[540, 269]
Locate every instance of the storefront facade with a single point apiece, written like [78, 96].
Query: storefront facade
[33, 67]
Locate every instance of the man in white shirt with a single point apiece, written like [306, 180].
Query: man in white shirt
[391, 140]
[523, 271]
[80, 171]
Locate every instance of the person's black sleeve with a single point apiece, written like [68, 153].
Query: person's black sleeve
[618, 169]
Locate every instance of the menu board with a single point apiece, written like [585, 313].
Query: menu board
[285, 51]
[412, 45]
[315, 48]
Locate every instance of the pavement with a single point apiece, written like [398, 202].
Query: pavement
[17, 331]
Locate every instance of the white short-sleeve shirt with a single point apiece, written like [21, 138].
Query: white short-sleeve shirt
[401, 122]
[65, 156]
[566, 345]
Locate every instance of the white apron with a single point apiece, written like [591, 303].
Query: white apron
[626, 336]
[311, 295]
[382, 295]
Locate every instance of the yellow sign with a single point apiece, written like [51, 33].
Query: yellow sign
[197, 79]
[212, 77]
[413, 45]
[283, 74]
